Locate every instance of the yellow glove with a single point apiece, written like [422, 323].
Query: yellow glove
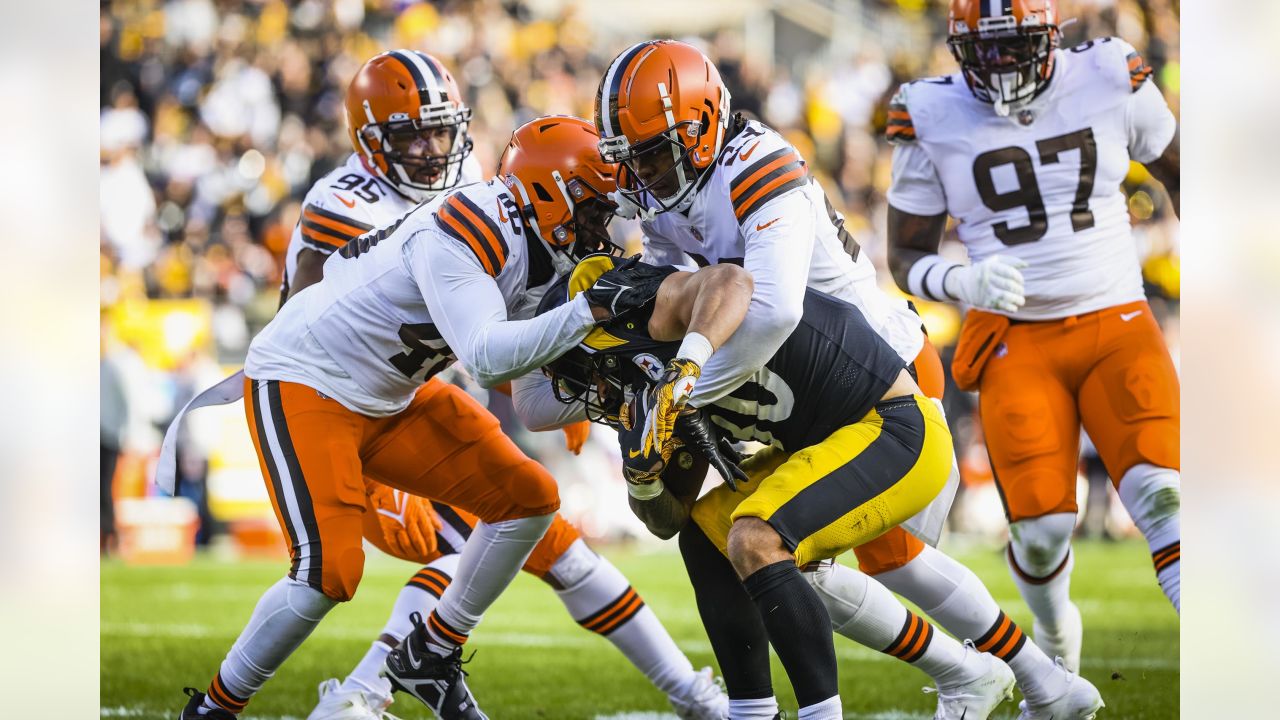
[407, 521]
[575, 436]
[666, 401]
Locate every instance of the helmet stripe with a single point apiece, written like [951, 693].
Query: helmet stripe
[996, 8]
[418, 78]
[611, 85]
[437, 75]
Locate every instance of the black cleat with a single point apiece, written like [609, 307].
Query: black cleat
[438, 681]
[192, 710]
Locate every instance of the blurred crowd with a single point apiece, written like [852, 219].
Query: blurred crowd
[217, 115]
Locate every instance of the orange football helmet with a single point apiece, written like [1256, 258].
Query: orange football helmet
[1004, 47]
[663, 113]
[406, 118]
[553, 165]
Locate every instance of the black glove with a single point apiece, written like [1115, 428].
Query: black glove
[628, 286]
[694, 428]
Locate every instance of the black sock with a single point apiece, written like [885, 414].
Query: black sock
[731, 620]
[799, 628]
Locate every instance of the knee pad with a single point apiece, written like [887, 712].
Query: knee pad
[1040, 545]
[341, 578]
[532, 491]
[1153, 497]
[572, 567]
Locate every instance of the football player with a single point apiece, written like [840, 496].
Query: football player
[1026, 147]
[395, 165]
[854, 449]
[332, 396]
[713, 187]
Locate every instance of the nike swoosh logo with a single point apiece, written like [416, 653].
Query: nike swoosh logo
[1130, 315]
[413, 662]
[344, 201]
[501, 216]
[747, 154]
[762, 227]
[634, 453]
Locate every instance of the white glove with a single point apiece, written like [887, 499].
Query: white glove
[993, 284]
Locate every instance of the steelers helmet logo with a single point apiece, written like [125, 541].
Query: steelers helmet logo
[650, 365]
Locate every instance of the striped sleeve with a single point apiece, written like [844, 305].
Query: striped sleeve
[326, 231]
[898, 125]
[1139, 71]
[773, 175]
[460, 218]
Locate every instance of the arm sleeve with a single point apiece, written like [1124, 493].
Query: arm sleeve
[1151, 124]
[536, 404]
[915, 187]
[778, 259]
[471, 314]
[659, 250]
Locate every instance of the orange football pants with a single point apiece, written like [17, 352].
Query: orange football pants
[897, 547]
[453, 527]
[315, 453]
[1109, 370]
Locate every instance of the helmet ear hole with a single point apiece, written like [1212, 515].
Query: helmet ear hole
[542, 193]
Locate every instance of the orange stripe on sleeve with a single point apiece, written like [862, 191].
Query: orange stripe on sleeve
[341, 227]
[748, 182]
[744, 207]
[485, 231]
[460, 230]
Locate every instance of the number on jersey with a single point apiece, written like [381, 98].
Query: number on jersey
[1027, 193]
[425, 346]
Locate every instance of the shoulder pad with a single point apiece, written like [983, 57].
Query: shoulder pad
[760, 166]
[325, 227]
[1117, 61]
[474, 218]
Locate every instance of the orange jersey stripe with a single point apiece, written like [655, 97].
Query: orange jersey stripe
[745, 207]
[340, 227]
[446, 216]
[749, 181]
[323, 239]
[486, 233]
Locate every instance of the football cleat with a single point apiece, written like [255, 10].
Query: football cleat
[979, 697]
[437, 681]
[1066, 642]
[1080, 701]
[192, 710]
[701, 699]
[363, 704]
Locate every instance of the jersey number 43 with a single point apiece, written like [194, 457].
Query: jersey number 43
[1027, 194]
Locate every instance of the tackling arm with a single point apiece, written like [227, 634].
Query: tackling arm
[711, 302]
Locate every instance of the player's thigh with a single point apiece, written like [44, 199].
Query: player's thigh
[890, 551]
[713, 512]
[308, 449]
[1031, 426]
[859, 482]
[448, 447]
[1129, 401]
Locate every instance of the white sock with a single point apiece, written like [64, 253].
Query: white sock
[828, 709]
[866, 612]
[953, 596]
[753, 709]
[284, 616]
[489, 561]
[1040, 561]
[420, 594]
[599, 598]
[1153, 497]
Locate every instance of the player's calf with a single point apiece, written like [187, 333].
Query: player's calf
[1153, 497]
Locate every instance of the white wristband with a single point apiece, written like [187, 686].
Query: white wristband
[696, 347]
[646, 491]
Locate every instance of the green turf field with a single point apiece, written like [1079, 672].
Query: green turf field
[163, 628]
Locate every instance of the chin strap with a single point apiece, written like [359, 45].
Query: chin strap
[630, 209]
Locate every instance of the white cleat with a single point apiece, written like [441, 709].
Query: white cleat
[979, 697]
[1066, 642]
[1080, 701]
[338, 704]
[701, 699]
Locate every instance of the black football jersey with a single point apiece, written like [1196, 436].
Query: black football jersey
[829, 373]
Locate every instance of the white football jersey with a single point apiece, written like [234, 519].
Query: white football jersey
[392, 301]
[744, 200]
[351, 200]
[1042, 184]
